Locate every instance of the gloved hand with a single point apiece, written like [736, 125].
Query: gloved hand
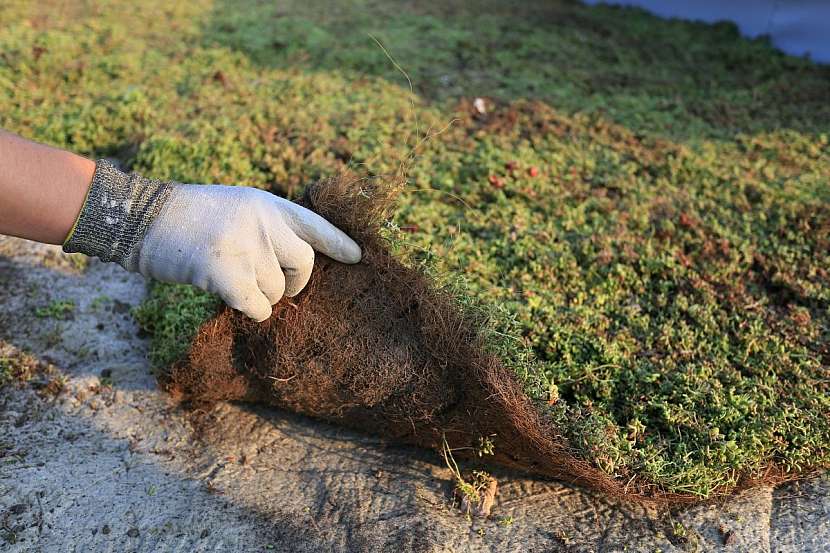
[246, 245]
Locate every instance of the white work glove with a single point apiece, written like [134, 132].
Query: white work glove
[245, 245]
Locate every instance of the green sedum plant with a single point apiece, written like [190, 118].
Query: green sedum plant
[642, 210]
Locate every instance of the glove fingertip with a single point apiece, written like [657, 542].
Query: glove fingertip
[259, 311]
[259, 317]
[349, 252]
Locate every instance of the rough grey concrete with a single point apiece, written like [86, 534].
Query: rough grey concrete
[123, 468]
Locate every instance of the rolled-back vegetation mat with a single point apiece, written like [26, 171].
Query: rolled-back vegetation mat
[379, 347]
[384, 347]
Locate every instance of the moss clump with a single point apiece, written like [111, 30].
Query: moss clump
[17, 367]
[58, 309]
[643, 207]
[173, 314]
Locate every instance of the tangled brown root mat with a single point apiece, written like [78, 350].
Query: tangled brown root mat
[376, 347]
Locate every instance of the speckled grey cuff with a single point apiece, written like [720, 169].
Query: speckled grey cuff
[119, 209]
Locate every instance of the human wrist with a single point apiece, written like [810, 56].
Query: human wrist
[117, 212]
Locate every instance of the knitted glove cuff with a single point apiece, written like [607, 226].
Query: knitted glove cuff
[117, 213]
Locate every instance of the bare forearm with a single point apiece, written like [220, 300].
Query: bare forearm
[42, 189]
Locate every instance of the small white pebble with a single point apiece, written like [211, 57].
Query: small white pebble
[480, 105]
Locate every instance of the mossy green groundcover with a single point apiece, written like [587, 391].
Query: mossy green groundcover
[644, 207]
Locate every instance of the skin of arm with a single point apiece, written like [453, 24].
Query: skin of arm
[42, 189]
